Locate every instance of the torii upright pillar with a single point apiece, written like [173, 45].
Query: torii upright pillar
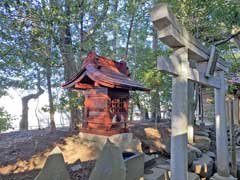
[186, 49]
[179, 124]
[221, 132]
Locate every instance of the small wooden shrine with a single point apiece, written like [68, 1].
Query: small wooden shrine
[106, 84]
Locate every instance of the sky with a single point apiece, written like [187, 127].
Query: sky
[13, 105]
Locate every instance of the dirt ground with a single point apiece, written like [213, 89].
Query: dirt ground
[23, 154]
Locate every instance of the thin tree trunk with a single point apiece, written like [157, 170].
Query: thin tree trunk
[156, 98]
[50, 98]
[115, 8]
[24, 121]
[128, 38]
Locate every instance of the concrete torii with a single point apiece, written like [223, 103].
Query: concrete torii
[191, 61]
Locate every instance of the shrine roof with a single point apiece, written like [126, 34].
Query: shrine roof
[234, 80]
[104, 72]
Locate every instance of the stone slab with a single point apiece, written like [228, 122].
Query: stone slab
[163, 174]
[134, 167]
[157, 174]
[217, 177]
[149, 160]
[110, 164]
[54, 167]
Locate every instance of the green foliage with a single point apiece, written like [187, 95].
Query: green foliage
[33, 33]
[5, 120]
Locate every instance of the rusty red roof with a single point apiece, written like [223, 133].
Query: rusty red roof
[234, 80]
[104, 72]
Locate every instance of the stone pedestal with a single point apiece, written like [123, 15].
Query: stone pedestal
[218, 177]
[124, 141]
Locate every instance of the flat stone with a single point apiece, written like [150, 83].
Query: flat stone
[191, 176]
[211, 155]
[217, 177]
[191, 156]
[202, 142]
[196, 150]
[156, 174]
[149, 160]
[54, 167]
[163, 174]
[203, 166]
[164, 166]
[134, 166]
[201, 133]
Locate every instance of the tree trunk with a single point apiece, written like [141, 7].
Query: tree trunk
[128, 38]
[115, 8]
[156, 98]
[50, 99]
[70, 67]
[24, 121]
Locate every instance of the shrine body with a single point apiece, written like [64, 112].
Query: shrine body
[106, 84]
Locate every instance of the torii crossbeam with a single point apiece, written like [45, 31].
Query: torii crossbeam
[190, 62]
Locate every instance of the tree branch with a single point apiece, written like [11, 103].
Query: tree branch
[227, 39]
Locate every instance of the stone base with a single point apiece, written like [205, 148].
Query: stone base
[216, 176]
[124, 141]
[104, 131]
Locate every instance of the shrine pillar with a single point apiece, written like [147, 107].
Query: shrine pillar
[221, 132]
[179, 123]
[190, 111]
[236, 111]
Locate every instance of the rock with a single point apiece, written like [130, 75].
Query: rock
[160, 173]
[196, 150]
[191, 156]
[54, 167]
[155, 174]
[203, 143]
[203, 166]
[110, 164]
[201, 133]
[157, 140]
[149, 160]
[211, 155]
[217, 177]
[191, 176]
[238, 170]
[76, 167]
[134, 166]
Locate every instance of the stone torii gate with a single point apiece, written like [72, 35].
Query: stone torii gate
[191, 61]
